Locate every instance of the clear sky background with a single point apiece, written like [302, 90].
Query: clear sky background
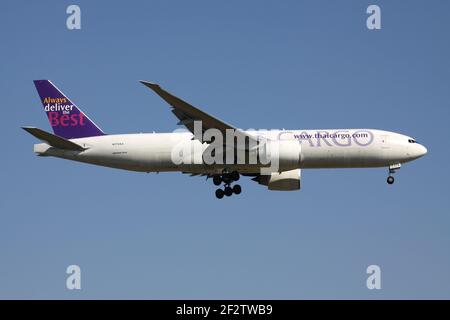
[255, 64]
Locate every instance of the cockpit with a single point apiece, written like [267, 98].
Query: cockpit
[412, 141]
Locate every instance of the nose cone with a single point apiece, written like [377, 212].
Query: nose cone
[418, 151]
[421, 150]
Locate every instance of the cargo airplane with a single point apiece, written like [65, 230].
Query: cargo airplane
[273, 158]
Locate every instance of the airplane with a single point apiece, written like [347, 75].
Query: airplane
[201, 150]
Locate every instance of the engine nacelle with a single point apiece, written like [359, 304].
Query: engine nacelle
[284, 181]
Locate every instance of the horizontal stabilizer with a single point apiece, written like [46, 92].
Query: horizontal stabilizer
[53, 140]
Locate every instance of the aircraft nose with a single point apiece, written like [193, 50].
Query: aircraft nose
[422, 150]
[416, 150]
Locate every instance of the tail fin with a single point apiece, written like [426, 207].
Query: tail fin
[66, 119]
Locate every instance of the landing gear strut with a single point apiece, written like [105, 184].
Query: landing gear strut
[227, 179]
[392, 168]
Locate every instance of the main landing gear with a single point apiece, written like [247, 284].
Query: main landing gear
[227, 179]
[392, 168]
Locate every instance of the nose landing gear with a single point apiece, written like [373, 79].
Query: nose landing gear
[227, 179]
[390, 180]
[392, 168]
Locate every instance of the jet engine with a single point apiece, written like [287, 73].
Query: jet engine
[281, 181]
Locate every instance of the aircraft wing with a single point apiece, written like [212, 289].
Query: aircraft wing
[187, 114]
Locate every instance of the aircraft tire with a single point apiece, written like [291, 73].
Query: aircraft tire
[219, 193]
[235, 175]
[228, 191]
[217, 180]
[237, 189]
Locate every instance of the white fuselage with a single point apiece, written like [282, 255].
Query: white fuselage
[153, 152]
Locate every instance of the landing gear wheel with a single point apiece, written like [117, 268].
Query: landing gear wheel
[390, 180]
[217, 180]
[237, 189]
[226, 178]
[219, 193]
[228, 191]
[235, 175]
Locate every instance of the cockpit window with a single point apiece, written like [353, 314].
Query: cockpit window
[412, 141]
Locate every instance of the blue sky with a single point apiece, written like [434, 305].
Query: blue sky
[271, 64]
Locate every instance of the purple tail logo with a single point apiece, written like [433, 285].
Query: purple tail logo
[66, 119]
